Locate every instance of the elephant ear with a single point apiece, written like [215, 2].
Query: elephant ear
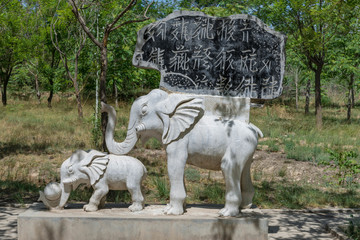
[94, 165]
[179, 113]
[77, 156]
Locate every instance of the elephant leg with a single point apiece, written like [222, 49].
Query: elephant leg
[176, 160]
[232, 174]
[247, 188]
[136, 196]
[99, 193]
[102, 202]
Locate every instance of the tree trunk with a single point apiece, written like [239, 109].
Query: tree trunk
[51, 81]
[78, 100]
[1, 83]
[352, 90]
[3, 93]
[307, 99]
[78, 96]
[318, 109]
[5, 81]
[38, 94]
[348, 116]
[115, 93]
[353, 97]
[296, 88]
[51, 94]
[75, 81]
[104, 116]
[112, 26]
[350, 97]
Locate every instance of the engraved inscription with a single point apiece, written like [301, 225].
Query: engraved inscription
[196, 53]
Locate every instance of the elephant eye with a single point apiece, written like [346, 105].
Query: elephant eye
[144, 109]
[70, 169]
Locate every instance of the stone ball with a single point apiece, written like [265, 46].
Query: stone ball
[52, 191]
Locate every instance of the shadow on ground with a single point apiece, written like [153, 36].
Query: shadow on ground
[11, 148]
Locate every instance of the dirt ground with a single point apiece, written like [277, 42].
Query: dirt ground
[270, 166]
[275, 166]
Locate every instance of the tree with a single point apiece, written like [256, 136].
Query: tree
[12, 42]
[74, 40]
[34, 71]
[312, 25]
[345, 57]
[43, 54]
[295, 69]
[109, 27]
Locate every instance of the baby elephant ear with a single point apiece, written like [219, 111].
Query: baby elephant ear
[94, 165]
[181, 113]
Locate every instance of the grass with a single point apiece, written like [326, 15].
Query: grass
[18, 191]
[192, 174]
[35, 140]
[294, 196]
[291, 131]
[163, 191]
[352, 230]
[213, 192]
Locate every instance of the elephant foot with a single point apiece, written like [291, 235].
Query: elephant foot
[57, 208]
[90, 208]
[136, 206]
[173, 210]
[248, 206]
[229, 212]
[168, 206]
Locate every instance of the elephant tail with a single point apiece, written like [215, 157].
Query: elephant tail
[257, 130]
[145, 172]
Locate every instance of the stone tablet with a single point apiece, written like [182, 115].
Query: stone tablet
[196, 53]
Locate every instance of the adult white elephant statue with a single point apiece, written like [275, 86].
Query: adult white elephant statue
[194, 136]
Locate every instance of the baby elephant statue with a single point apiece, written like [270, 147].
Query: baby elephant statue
[103, 172]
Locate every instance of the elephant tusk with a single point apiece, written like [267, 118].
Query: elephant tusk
[140, 127]
[70, 180]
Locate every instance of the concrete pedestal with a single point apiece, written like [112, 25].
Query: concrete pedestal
[117, 222]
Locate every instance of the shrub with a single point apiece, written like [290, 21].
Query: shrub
[162, 187]
[344, 164]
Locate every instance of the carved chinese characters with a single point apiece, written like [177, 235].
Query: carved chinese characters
[196, 53]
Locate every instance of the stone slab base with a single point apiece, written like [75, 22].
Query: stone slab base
[117, 222]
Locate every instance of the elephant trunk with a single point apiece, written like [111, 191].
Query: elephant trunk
[65, 193]
[131, 137]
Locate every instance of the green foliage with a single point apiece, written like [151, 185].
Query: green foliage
[161, 187]
[119, 196]
[304, 153]
[213, 192]
[96, 133]
[257, 175]
[288, 130]
[345, 164]
[353, 229]
[273, 146]
[153, 143]
[295, 196]
[282, 172]
[218, 9]
[81, 194]
[192, 174]
[18, 191]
